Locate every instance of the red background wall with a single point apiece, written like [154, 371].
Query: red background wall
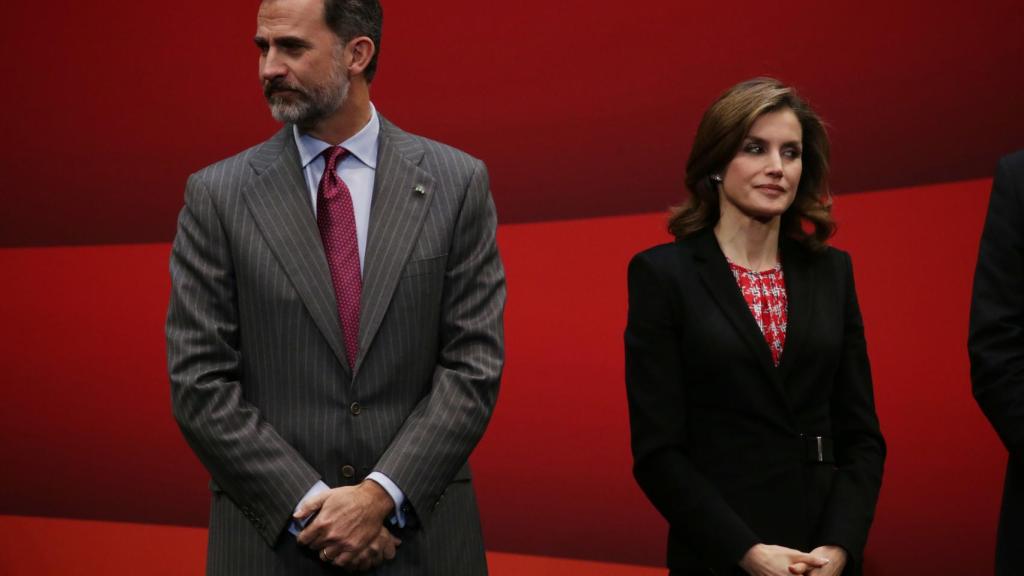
[584, 113]
[580, 107]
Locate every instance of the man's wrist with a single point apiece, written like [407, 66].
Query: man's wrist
[398, 517]
[383, 504]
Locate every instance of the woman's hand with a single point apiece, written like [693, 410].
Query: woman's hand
[837, 561]
[768, 560]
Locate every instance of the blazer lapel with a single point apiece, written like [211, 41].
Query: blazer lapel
[279, 201]
[720, 282]
[716, 275]
[800, 281]
[402, 194]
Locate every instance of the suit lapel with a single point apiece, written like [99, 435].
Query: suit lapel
[402, 194]
[279, 201]
[799, 277]
[721, 284]
[716, 275]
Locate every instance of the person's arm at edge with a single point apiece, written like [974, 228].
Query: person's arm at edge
[246, 457]
[656, 399]
[432, 444]
[996, 336]
[858, 443]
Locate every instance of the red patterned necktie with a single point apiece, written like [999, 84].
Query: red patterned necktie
[337, 222]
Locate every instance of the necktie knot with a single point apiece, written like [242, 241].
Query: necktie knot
[329, 182]
[332, 156]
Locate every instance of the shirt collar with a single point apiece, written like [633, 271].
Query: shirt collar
[362, 145]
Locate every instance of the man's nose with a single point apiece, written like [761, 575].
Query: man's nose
[271, 66]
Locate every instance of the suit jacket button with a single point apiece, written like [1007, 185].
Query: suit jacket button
[355, 408]
[348, 471]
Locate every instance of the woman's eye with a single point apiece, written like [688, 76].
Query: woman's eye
[792, 153]
[753, 149]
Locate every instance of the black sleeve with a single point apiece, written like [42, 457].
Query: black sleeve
[996, 337]
[656, 391]
[859, 446]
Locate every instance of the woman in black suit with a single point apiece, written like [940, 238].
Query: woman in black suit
[751, 407]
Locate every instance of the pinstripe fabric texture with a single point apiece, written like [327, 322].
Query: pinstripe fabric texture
[260, 384]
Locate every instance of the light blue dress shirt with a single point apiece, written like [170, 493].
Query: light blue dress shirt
[357, 170]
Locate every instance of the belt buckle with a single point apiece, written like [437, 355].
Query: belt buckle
[814, 452]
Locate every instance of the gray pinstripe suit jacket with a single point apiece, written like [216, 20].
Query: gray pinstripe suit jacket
[260, 384]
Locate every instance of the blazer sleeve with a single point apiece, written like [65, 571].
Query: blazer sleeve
[656, 391]
[859, 446]
[263, 474]
[438, 436]
[996, 338]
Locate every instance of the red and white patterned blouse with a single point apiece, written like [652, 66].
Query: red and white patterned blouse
[765, 293]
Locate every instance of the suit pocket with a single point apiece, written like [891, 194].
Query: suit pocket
[425, 266]
[462, 479]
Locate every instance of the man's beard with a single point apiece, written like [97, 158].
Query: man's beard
[305, 106]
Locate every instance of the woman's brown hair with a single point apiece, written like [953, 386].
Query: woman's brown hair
[719, 137]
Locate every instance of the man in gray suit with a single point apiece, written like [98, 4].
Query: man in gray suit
[335, 327]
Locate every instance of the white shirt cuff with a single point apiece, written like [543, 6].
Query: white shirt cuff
[396, 494]
[296, 526]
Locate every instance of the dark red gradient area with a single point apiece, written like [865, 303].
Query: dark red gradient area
[580, 108]
[86, 430]
[121, 549]
[85, 427]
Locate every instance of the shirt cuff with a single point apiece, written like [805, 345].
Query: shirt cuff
[396, 494]
[296, 526]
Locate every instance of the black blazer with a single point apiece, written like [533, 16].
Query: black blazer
[996, 346]
[725, 444]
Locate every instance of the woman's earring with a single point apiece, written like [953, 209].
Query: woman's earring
[717, 178]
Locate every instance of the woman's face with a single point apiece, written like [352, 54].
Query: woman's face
[760, 182]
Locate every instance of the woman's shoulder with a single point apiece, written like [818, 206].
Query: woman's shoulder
[827, 256]
[670, 255]
[671, 251]
[655, 261]
[837, 259]
[829, 265]
[657, 253]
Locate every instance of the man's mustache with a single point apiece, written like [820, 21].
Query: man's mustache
[279, 85]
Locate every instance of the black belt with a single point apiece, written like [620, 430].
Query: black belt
[818, 449]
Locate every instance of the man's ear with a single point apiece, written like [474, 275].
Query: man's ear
[361, 50]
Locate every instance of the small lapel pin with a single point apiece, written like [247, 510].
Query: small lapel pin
[419, 189]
